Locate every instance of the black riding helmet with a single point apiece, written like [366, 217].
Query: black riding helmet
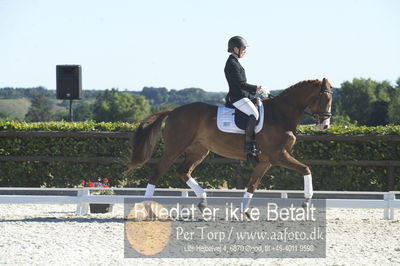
[236, 41]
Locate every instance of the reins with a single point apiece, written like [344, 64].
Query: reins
[316, 116]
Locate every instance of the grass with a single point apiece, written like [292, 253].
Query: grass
[15, 107]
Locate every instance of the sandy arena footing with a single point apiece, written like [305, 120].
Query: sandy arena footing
[54, 235]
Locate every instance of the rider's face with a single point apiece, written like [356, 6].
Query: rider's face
[242, 51]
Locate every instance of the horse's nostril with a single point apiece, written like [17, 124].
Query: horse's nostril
[326, 127]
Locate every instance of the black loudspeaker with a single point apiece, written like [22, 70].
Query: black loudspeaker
[69, 82]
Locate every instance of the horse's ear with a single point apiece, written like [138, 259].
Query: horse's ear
[325, 82]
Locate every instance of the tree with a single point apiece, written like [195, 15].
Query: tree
[83, 112]
[4, 116]
[158, 108]
[365, 101]
[155, 96]
[393, 110]
[112, 106]
[61, 115]
[188, 95]
[40, 109]
[394, 105]
[379, 114]
[342, 120]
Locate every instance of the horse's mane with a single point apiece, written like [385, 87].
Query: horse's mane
[296, 86]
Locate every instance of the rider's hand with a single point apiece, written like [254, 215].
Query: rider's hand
[262, 92]
[265, 89]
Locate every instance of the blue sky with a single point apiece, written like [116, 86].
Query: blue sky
[129, 44]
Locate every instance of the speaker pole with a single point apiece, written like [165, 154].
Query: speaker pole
[71, 115]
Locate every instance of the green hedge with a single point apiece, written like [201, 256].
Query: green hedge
[62, 174]
[66, 174]
[67, 126]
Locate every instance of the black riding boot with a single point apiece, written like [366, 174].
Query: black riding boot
[250, 141]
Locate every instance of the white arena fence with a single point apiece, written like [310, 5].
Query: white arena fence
[82, 197]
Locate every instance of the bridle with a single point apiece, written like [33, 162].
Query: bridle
[320, 117]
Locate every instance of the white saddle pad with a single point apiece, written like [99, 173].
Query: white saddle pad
[226, 120]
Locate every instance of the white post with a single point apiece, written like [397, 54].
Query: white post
[185, 193]
[284, 195]
[82, 208]
[388, 213]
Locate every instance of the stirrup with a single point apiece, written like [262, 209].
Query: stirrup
[256, 152]
[251, 148]
[252, 158]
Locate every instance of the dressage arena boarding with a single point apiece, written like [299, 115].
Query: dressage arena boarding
[52, 226]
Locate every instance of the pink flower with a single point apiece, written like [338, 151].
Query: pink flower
[90, 184]
[105, 180]
[106, 186]
[83, 182]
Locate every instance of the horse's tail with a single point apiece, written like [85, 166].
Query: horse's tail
[145, 139]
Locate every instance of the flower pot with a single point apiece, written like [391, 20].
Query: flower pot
[100, 208]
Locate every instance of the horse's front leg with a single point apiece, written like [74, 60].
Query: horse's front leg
[284, 159]
[254, 181]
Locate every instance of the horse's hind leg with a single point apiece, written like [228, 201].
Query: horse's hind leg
[171, 153]
[195, 154]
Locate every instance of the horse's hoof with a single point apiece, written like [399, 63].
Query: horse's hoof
[202, 204]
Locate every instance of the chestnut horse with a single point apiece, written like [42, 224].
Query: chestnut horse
[192, 129]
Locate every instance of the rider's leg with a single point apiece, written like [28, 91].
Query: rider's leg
[250, 138]
[247, 107]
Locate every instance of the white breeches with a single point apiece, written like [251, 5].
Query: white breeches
[247, 107]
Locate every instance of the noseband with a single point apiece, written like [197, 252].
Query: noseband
[320, 117]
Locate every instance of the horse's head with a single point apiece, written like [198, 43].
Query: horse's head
[321, 106]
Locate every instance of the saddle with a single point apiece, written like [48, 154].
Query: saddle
[232, 120]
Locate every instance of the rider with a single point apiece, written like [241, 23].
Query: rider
[240, 91]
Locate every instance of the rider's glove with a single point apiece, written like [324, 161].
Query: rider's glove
[263, 93]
